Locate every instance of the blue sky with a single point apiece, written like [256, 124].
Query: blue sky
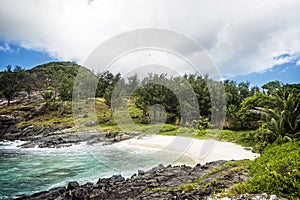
[288, 72]
[15, 55]
[247, 40]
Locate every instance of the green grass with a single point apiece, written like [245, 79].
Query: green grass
[135, 113]
[245, 138]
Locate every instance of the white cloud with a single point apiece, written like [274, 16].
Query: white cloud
[286, 58]
[282, 60]
[298, 63]
[240, 36]
[5, 47]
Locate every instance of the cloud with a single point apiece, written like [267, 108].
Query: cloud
[298, 63]
[286, 58]
[5, 47]
[241, 37]
[283, 59]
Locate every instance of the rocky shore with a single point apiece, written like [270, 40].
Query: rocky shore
[170, 182]
[55, 136]
[158, 183]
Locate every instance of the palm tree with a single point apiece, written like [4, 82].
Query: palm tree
[282, 115]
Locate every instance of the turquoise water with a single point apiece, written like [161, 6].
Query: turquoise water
[25, 171]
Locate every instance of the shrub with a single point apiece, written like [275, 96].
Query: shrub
[277, 171]
[169, 127]
[188, 187]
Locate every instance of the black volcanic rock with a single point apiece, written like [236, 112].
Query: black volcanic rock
[171, 182]
[7, 124]
[72, 185]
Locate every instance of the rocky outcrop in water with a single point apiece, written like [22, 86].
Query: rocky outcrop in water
[54, 136]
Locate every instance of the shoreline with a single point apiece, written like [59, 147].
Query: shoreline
[160, 182]
[200, 151]
[205, 154]
[192, 150]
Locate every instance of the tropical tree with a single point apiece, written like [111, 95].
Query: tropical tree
[271, 86]
[280, 113]
[11, 82]
[247, 115]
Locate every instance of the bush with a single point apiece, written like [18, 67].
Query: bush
[188, 187]
[169, 127]
[277, 171]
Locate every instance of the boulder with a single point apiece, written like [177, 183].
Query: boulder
[7, 123]
[8, 120]
[72, 185]
[117, 178]
[141, 172]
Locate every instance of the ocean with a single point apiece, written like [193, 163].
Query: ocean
[30, 170]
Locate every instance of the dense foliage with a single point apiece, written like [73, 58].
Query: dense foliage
[280, 115]
[277, 171]
[13, 81]
[56, 80]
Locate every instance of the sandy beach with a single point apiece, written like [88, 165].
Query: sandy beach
[200, 151]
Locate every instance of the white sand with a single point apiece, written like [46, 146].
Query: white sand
[201, 151]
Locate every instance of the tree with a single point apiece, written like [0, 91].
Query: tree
[29, 83]
[114, 82]
[133, 83]
[143, 100]
[55, 76]
[85, 84]
[154, 90]
[105, 81]
[233, 104]
[59, 80]
[232, 92]
[244, 91]
[115, 98]
[280, 112]
[11, 82]
[283, 118]
[237, 116]
[218, 99]
[270, 87]
[66, 89]
[200, 87]
[247, 115]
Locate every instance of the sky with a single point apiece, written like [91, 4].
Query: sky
[251, 40]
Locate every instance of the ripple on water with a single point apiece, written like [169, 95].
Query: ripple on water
[34, 169]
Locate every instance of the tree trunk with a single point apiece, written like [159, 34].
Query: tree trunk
[8, 101]
[145, 118]
[154, 115]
